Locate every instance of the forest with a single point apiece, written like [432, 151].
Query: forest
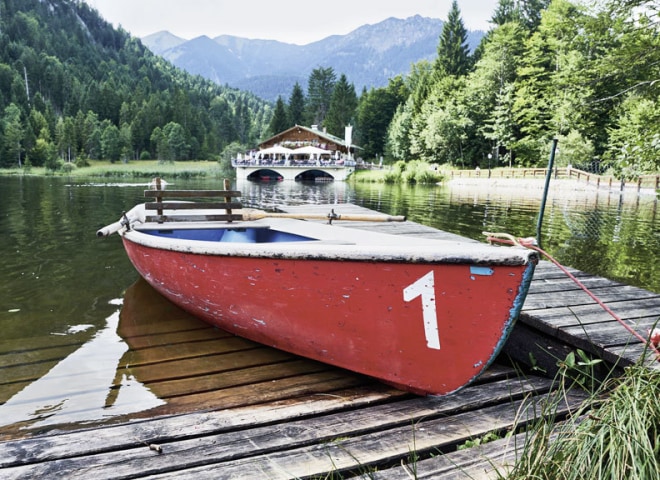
[585, 73]
[73, 89]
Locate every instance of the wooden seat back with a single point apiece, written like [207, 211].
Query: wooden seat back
[215, 211]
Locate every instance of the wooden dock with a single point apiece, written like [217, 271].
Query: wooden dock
[236, 409]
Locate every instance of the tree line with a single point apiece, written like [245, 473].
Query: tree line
[588, 75]
[73, 88]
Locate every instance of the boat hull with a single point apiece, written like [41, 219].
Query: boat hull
[426, 328]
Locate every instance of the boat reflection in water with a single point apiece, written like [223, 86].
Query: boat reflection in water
[89, 385]
[100, 380]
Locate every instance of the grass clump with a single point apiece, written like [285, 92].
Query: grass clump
[412, 172]
[616, 436]
[417, 171]
[368, 176]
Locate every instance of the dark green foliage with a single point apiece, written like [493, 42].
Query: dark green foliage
[342, 107]
[297, 106]
[505, 12]
[319, 93]
[280, 120]
[61, 60]
[374, 113]
[453, 52]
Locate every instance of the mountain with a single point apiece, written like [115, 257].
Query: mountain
[369, 56]
[164, 40]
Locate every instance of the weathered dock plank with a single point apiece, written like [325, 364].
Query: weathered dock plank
[366, 451]
[573, 318]
[297, 441]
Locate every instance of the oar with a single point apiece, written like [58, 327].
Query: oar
[115, 227]
[250, 214]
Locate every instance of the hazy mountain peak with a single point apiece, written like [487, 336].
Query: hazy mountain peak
[369, 55]
[161, 41]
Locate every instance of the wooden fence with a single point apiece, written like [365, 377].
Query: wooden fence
[642, 182]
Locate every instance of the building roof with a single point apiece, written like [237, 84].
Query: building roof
[315, 131]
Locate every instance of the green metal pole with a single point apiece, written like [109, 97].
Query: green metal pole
[545, 190]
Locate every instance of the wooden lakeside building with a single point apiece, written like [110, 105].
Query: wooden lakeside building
[300, 153]
[236, 409]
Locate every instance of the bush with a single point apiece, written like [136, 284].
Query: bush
[53, 164]
[392, 176]
[418, 171]
[82, 161]
[68, 167]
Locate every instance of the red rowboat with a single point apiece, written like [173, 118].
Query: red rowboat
[427, 316]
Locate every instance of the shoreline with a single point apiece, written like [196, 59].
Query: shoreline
[535, 185]
[564, 186]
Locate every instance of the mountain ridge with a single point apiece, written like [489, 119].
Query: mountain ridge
[369, 55]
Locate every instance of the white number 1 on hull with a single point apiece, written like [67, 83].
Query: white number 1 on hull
[425, 287]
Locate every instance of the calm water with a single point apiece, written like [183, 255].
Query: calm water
[62, 289]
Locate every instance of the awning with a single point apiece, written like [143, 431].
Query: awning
[275, 151]
[310, 150]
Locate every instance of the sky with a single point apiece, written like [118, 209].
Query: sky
[291, 21]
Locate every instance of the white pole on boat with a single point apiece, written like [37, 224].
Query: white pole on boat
[250, 214]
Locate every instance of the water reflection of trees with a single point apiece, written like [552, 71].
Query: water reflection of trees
[600, 233]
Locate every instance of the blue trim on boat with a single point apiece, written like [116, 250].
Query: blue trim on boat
[476, 270]
[518, 303]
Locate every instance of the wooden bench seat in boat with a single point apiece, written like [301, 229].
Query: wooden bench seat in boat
[210, 211]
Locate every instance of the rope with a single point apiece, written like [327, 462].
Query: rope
[530, 243]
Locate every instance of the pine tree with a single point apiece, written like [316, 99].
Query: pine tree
[297, 106]
[530, 11]
[342, 107]
[527, 12]
[453, 52]
[243, 121]
[506, 11]
[319, 93]
[280, 121]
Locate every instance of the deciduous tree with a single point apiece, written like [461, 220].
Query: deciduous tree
[13, 132]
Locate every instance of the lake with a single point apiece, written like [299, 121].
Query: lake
[62, 290]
